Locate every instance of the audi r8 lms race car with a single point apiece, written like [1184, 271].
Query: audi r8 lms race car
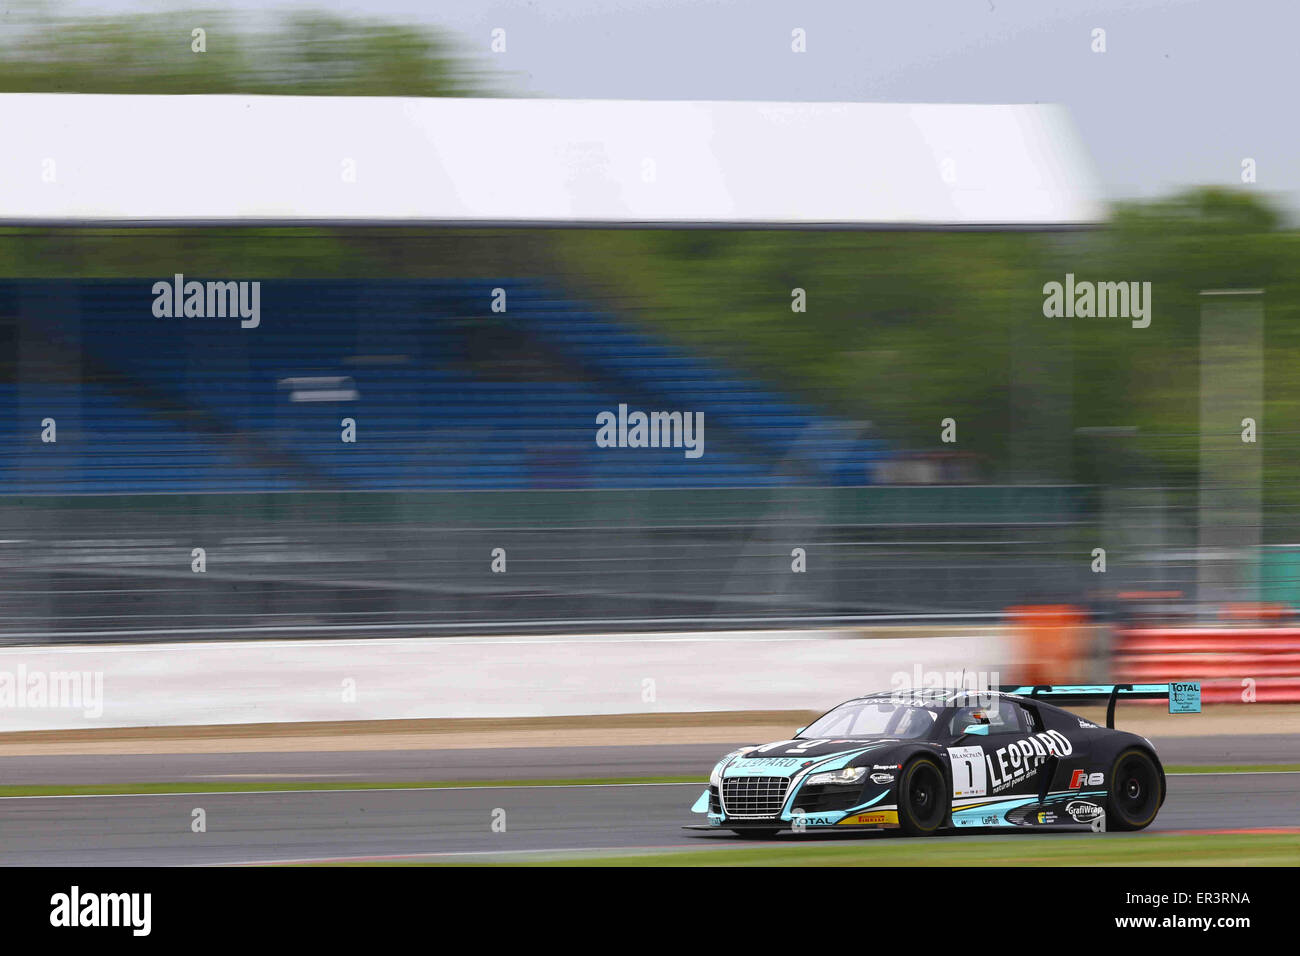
[927, 760]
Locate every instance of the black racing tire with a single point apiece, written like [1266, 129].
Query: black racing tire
[1135, 791]
[924, 801]
[765, 833]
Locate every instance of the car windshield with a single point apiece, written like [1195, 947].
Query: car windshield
[872, 718]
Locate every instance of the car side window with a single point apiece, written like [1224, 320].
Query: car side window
[1002, 716]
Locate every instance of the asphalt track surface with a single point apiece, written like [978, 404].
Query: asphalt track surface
[454, 824]
[520, 763]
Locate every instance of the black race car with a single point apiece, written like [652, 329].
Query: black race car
[925, 760]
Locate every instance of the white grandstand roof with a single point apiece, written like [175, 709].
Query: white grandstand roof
[77, 158]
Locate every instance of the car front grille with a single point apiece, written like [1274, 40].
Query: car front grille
[753, 798]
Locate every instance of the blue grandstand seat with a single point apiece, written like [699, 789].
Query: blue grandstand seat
[199, 404]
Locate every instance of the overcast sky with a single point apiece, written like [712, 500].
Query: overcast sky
[1185, 91]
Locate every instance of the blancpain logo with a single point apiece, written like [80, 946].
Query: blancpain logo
[75, 908]
[202, 300]
[652, 430]
[1123, 300]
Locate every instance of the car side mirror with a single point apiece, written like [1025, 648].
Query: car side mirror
[980, 729]
[799, 731]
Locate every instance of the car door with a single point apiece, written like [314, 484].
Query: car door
[1012, 753]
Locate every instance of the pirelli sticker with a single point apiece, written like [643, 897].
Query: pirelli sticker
[876, 818]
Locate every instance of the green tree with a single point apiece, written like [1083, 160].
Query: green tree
[308, 54]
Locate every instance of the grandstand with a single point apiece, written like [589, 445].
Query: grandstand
[446, 394]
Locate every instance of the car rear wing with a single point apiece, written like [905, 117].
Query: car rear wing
[1184, 696]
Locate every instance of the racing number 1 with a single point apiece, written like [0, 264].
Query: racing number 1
[969, 776]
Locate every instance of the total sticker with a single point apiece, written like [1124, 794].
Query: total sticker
[969, 777]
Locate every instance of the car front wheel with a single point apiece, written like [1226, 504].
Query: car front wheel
[923, 801]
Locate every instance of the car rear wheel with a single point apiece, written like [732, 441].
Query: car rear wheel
[1134, 791]
[923, 801]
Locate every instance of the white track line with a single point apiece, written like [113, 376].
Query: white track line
[582, 852]
[1228, 773]
[245, 793]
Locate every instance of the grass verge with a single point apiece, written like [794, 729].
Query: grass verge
[1139, 849]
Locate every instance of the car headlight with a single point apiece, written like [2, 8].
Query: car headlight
[847, 775]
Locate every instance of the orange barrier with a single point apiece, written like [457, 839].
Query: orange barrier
[1233, 664]
[1050, 642]
[1255, 612]
[1190, 643]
